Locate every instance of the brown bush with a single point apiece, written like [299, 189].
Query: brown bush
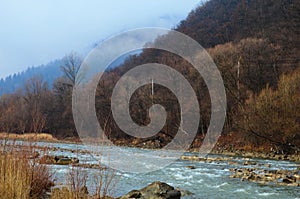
[274, 115]
[20, 176]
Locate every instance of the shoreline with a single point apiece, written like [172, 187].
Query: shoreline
[48, 138]
[260, 155]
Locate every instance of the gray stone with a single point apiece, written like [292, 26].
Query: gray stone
[156, 190]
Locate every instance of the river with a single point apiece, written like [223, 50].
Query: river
[207, 180]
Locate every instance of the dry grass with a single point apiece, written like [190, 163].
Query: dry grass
[28, 136]
[21, 177]
[104, 183]
[65, 193]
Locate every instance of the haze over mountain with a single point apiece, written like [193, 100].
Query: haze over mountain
[42, 34]
[35, 33]
[48, 73]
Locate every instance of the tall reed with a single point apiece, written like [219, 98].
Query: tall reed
[21, 177]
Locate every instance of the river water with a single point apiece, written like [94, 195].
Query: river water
[208, 180]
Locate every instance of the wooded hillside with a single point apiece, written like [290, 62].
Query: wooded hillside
[255, 45]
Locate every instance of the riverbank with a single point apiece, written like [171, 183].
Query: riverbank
[28, 137]
[223, 147]
[259, 155]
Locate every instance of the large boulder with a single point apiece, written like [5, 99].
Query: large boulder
[156, 190]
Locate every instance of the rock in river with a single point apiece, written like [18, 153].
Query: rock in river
[59, 160]
[156, 190]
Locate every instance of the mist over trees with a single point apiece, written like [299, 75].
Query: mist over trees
[49, 72]
[254, 45]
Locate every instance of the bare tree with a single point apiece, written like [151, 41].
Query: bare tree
[35, 97]
[7, 119]
[63, 88]
[70, 68]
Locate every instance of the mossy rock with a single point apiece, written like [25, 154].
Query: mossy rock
[64, 161]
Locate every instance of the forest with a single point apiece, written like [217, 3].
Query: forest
[255, 45]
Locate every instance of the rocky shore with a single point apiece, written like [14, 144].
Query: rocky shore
[65, 160]
[155, 144]
[217, 150]
[253, 171]
[260, 155]
[278, 177]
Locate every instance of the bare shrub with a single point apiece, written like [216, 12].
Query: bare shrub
[21, 177]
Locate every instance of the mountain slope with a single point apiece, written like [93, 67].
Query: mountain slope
[261, 38]
[48, 73]
[219, 22]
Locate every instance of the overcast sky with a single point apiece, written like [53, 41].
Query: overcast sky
[34, 32]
